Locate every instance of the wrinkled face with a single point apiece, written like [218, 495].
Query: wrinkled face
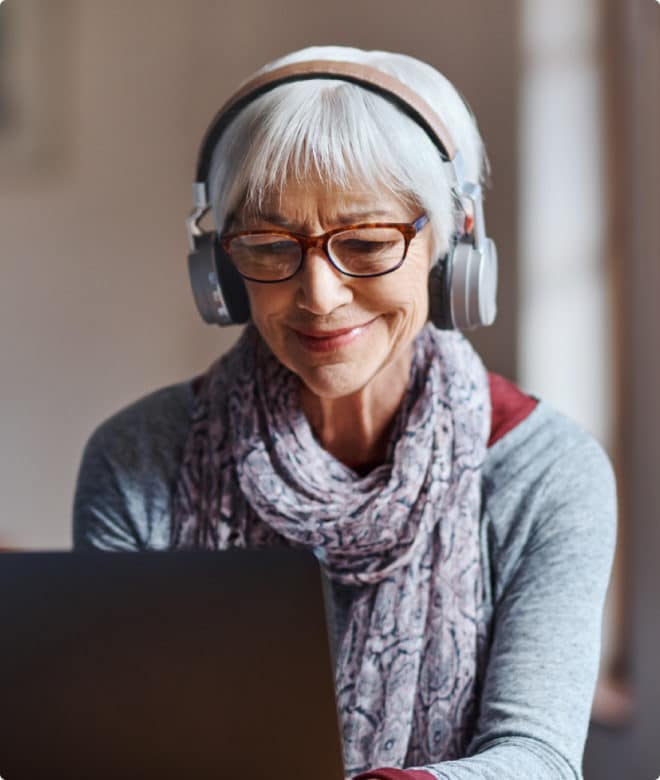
[334, 331]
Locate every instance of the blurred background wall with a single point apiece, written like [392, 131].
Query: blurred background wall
[102, 107]
[95, 303]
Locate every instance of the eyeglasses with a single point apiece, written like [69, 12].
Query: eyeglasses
[368, 249]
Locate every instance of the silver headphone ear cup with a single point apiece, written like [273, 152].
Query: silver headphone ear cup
[473, 285]
[488, 284]
[205, 284]
[461, 296]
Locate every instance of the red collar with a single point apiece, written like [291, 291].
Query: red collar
[509, 404]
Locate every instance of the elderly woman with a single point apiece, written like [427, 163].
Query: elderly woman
[467, 528]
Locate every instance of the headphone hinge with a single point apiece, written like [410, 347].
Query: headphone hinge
[193, 230]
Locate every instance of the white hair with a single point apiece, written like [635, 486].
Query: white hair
[340, 130]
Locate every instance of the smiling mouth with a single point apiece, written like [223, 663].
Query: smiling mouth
[327, 340]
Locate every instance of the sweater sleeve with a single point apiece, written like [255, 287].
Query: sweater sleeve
[102, 516]
[545, 652]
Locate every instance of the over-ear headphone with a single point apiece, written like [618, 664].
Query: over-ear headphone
[462, 285]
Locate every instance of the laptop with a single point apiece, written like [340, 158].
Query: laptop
[194, 665]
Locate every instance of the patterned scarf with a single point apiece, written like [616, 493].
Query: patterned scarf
[410, 664]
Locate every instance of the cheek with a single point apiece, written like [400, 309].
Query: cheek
[405, 290]
[267, 301]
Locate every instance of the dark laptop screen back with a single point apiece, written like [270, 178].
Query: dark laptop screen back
[165, 665]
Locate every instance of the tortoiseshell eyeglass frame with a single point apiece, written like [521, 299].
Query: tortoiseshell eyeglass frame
[407, 229]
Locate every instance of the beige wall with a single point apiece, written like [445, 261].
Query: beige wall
[95, 306]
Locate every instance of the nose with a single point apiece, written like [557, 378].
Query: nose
[321, 287]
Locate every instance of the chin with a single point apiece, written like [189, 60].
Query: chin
[334, 381]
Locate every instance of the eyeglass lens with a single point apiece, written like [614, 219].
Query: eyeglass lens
[360, 251]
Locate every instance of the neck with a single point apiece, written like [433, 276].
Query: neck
[356, 428]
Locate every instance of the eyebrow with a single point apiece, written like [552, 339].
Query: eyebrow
[343, 219]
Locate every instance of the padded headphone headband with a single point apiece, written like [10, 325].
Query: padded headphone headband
[366, 76]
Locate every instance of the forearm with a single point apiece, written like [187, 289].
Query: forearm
[510, 758]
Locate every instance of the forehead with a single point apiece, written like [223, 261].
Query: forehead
[297, 203]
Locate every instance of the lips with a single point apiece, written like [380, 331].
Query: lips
[327, 340]
[328, 334]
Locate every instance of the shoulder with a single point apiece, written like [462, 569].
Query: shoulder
[147, 426]
[548, 484]
[127, 470]
[530, 436]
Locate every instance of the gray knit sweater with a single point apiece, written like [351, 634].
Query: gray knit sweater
[548, 530]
